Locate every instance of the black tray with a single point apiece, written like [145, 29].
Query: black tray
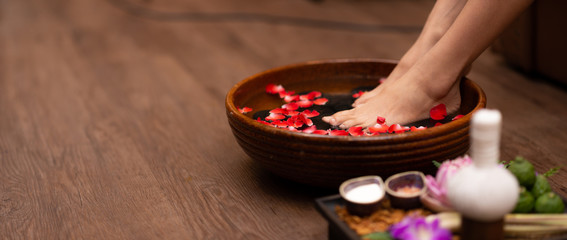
[339, 230]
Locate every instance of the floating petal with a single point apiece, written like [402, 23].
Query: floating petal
[320, 101]
[274, 89]
[338, 133]
[379, 128]
[438, 112]
[245, 110]
[310, 113]
[355, 131]
[304, 103]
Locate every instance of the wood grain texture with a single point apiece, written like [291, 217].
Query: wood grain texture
[112, 120]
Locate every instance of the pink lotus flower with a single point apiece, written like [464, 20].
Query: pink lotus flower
[437, 187]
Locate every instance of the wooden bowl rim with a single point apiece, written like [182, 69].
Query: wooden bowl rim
[232, 110]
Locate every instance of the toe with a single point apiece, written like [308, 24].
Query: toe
[355, 121]
[358, 102]
[348, 123]
[338, 118]
[330, 120]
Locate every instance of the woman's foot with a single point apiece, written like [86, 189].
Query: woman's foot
[398, 102]
[417, 50]
[440, 19]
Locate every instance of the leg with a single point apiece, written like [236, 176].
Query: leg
[433, 78]
[439, 20]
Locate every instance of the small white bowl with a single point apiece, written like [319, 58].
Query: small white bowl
[363, 194]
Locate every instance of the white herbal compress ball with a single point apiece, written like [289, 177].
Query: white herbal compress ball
[484, 191]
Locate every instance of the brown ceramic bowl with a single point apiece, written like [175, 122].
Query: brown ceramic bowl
[327, 161]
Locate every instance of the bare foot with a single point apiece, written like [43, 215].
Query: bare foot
[397, 73]
[370, 94]
[441, 17]
[398, 102]
[420, 47]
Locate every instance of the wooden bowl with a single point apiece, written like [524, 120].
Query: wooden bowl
[327, 161]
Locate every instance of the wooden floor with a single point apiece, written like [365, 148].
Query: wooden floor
[113, 126]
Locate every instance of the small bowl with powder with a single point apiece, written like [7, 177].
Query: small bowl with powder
[362, 194]
[404, 189]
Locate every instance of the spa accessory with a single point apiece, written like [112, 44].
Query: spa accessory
[484, 192]
[404, 189]
[363, 194]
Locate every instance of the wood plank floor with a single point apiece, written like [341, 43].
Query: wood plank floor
[112, 122]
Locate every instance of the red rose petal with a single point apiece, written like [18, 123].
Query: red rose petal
[310, 96]
[310, 114]
[358, 94]
[355, 131]
[279, 111]
[304, 103]
[414, 128]
[294, 123]
[291, 121]
[457, 117]
[245, 110]
[380, 120]
[291, 98]
[438, 112]
[290, 106]
[379, 128]
[281, 124]
[338, 133]
[284, 94]
[309, 122]
[274, 89]
[310, 129]
[397, 128]
[320, 101]
[275, 116]
[298, 121]
[305, 97]
[290, 128]
[292, 113]
[314, 94]
[320, 132]
[303, 118]
[263, 122]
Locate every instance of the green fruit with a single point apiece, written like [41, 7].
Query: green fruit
[525, 202]
[549, 203]
[524, 171]
[378, 236]
[541, 186]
